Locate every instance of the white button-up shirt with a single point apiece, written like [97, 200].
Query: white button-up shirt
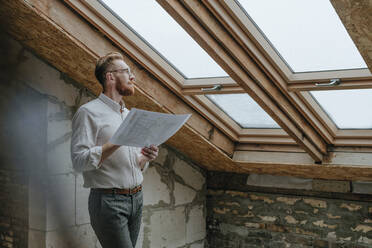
[92, 126]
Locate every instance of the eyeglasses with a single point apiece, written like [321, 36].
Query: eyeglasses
[122, 71]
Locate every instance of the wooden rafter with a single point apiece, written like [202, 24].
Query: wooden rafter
[216, 39]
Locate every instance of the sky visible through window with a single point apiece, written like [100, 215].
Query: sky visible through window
[164, 34]
[349, 109]
[243, 110]
[308, 35]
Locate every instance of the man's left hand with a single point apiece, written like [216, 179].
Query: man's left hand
[150, 153]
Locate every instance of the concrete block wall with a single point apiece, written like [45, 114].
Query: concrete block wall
[292, 214]
[174, 198]
[55, 211]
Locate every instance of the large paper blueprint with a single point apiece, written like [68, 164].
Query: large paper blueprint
[144, 128]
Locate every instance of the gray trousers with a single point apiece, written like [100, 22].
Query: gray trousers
[116, 219]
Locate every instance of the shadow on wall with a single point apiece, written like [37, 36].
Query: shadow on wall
[23, 153]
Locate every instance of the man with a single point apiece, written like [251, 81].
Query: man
[114, 173]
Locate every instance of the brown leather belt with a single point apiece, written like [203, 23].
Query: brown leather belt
[119, 191]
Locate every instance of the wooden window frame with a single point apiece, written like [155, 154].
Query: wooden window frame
[190, 90]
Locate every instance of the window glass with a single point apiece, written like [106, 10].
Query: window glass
[243, 110]
[308, 35]
[148, 19]
[349, 109]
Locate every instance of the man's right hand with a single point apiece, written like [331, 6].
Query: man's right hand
[107, 150]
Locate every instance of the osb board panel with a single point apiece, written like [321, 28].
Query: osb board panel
[356, 16]
[69, 55]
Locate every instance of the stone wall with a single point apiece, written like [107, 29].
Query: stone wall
[241, 215]
[52, 206]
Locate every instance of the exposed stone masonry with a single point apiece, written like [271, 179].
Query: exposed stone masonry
[241, 218]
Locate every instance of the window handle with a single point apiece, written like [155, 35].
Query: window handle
[333, 82]
[214, 88]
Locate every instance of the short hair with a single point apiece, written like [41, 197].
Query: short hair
[103, 64]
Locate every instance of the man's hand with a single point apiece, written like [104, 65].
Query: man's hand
[107, 150]
[150, 153]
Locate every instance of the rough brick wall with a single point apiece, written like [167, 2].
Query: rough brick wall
[13, 209]
[246, 217]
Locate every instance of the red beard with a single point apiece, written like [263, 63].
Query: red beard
[127, 90]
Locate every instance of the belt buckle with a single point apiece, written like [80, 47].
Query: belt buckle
[130, 191]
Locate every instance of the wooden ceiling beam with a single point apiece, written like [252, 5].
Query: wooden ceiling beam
[214, 38]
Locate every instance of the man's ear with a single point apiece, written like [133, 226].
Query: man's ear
[108, 76]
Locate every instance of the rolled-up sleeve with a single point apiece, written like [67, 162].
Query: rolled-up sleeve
[85, 154]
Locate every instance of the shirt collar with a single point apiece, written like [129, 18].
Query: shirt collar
[111, 103]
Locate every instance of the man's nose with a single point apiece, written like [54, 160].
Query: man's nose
[132, 77]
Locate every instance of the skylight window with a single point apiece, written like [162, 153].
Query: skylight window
[349, 109]
[308, 35]
[243, 110]
[166, 36]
